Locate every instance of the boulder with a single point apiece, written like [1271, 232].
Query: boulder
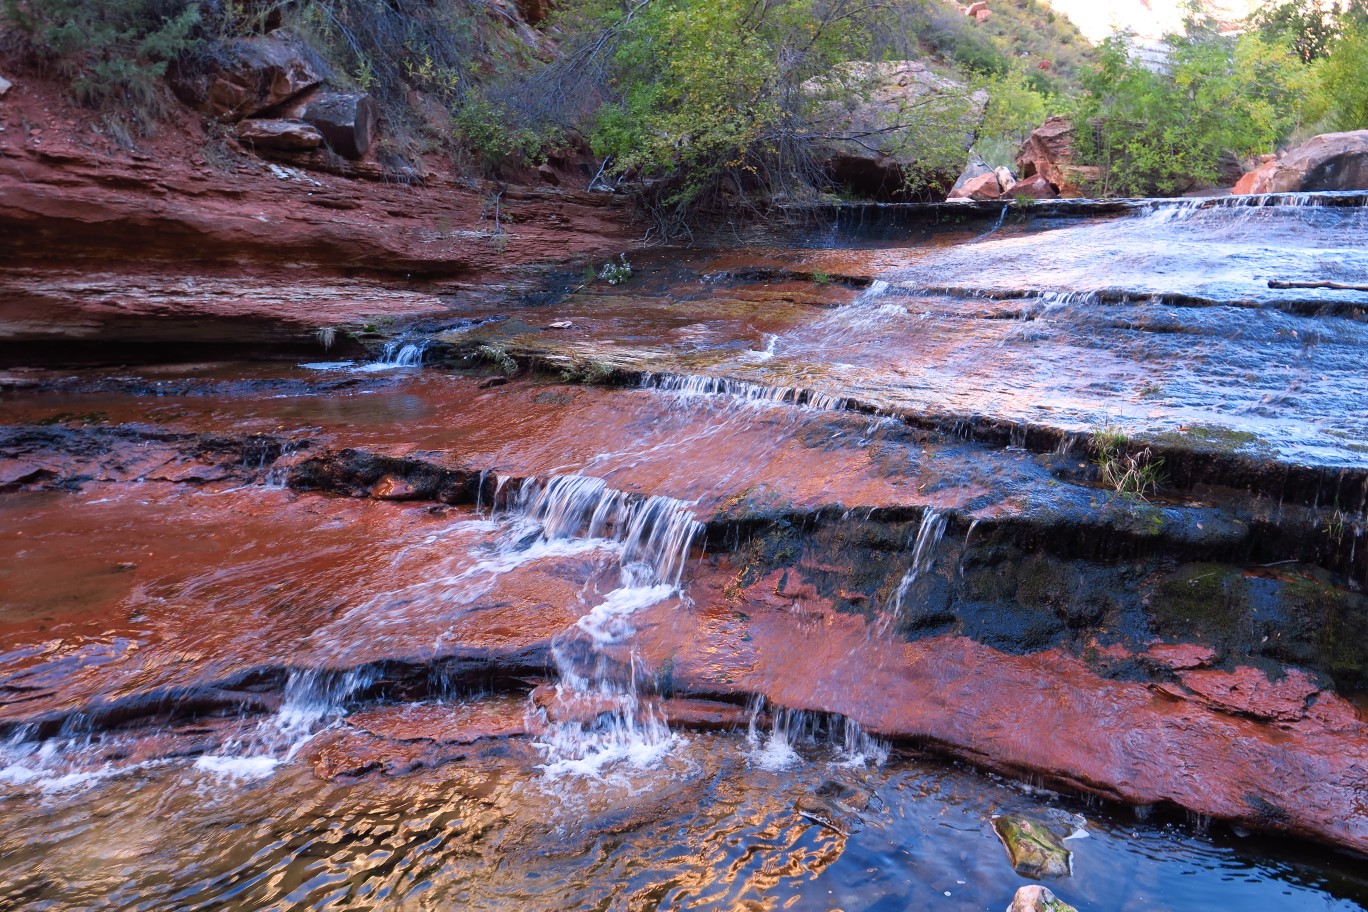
[870, 144]
[533, 11]
[1048, 152]
[985, 187]
[1331, 161]
[1035, 187]
[1034, 850]
[281, 135]
[1006, 179]
[1036, 898]
[983, 15]
[976, 167]
[347, 120]
[5, 86]
[241, 77]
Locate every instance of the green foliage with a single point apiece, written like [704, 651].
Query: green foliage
[499, 357]
[113, 51]
[1016, 106]
[492, 132]
[1023, 35]
[615, 272]
[1131, 472]
[1342, 76]
[1163, 133]
[1310, 27]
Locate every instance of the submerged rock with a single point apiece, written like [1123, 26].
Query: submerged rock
[1034, 850]
[1036, 898]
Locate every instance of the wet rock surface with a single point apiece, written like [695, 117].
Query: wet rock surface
[1035, 851]
[711, 553]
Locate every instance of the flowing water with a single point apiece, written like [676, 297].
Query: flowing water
[695, 623]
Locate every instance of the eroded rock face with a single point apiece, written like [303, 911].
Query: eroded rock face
[246, 76]
[1331, 161]
[871, 145]
[1048, 152]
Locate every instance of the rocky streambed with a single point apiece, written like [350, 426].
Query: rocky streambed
[765, 578]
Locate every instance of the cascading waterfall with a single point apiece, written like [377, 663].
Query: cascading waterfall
[403, 354]
[929, 535]
[601, 716]
[699, 385]
[776, 748]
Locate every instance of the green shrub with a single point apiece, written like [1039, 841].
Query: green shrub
[114, 52]
[1164, 133]
[1342, 78]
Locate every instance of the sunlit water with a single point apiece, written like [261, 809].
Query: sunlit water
[291, 616]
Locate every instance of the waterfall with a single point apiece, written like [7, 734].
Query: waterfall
[402, 354]
[600, 716]
[929, 535]
[701, 385]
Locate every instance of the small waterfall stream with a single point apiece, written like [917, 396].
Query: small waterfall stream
[600, 716]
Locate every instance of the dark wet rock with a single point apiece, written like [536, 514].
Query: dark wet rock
[1036, 898]
[1034, 850]
[282, 135]
[830, 812]
[241, 77]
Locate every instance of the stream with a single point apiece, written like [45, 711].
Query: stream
[766, 579]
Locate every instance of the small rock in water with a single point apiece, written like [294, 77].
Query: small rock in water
[563, 324]
[829, 813]
[1036, 898]
[1035, 851]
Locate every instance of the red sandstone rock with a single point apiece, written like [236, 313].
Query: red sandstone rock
[1248, 691]
[1035, 187]
[285, 135]
[1117, 739]
[983, 187]
[152, 246]
[1331, 161]
[1048, 152]
[1181, 656]
[392, 488]
[348, 121]
[245, 76]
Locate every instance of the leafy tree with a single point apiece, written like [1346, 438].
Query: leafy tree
[706, 99]
[1166, 132]
[1310, 26]
[1342, 76]
[1015, 107]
